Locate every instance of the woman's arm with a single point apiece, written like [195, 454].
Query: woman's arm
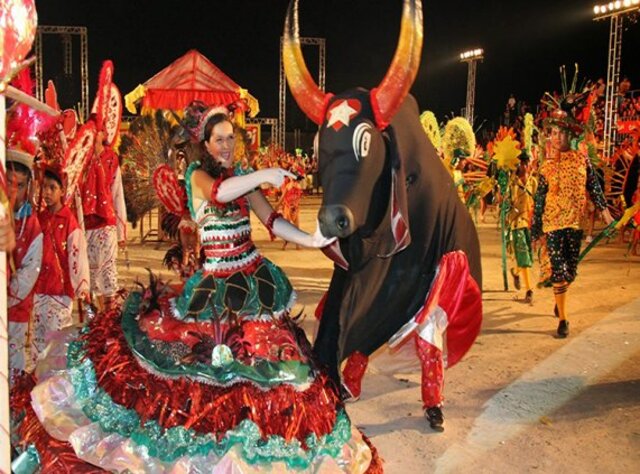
[204, 186]
[282, 227]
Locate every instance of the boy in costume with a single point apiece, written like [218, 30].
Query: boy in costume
[65, 267]
[523, 188]
[26, 257]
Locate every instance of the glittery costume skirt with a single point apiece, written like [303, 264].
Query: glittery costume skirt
[139, 390]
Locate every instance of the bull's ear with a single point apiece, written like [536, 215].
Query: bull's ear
[400, 234]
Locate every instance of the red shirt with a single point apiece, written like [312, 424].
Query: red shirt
[97, 201]
[27, 257]
[57, 229]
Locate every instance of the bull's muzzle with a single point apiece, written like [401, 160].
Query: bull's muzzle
[336, 221]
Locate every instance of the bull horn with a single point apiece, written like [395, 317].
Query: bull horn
[388, 96]
[311, 99]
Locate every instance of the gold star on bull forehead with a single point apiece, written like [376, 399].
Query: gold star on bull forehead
[342, 113]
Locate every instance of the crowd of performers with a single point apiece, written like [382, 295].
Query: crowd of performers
[56, 259]
[215, 370]
[548, 180]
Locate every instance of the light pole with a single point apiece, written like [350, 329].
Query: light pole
[471, 57]
[616, 11]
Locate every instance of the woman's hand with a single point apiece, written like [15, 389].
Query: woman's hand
[275, 176]
[287, 231]
[320, 241]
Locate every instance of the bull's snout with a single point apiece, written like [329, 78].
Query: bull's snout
[336, 221]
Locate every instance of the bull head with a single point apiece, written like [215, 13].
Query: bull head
[352, 149]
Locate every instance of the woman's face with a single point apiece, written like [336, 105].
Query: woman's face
[221, 143]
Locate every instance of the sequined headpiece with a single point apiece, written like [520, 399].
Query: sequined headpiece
[202, 123]
[196, 116]
[571, 110]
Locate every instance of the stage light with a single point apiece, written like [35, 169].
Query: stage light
[472, 55]
[619, 7]
[614, 11]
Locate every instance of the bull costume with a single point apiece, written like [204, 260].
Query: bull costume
[408, 257]
[215, 378]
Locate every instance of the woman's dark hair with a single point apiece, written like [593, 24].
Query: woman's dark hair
[210, 165]
[194, 113]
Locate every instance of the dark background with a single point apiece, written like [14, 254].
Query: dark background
[525, 42]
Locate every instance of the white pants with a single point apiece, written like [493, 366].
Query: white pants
[102, 250]
[51, 313]
[18, 345]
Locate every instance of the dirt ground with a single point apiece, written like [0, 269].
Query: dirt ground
[521, 400]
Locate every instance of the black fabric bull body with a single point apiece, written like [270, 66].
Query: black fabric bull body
[385, 284]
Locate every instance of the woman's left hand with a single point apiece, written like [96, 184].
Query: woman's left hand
[320, 241]
[275, 176]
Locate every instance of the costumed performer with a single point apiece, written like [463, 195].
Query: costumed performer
[560, 202]
[104, 213]
[289, 202]
[26, 258]
[218, 375]
[102, 193]
[523, 188]
[64, 274]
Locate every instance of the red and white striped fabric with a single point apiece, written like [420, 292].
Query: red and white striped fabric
[453, 306]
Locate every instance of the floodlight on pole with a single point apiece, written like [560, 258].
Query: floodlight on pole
[471, 57]
[616, 11]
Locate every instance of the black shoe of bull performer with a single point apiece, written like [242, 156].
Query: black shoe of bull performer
[435, 417]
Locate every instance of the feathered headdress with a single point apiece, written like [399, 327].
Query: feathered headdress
[54, 140]
[458, 141]
[431, 128]
[567, 111]
[196, 116]
[145, 147]
[24, 124]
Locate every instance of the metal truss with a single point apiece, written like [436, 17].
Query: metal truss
[270, 122]
[282, 110]
[65, 32]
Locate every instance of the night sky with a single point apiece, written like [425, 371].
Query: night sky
[524, 42]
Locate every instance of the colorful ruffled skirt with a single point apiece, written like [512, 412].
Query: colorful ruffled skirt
[141, 391]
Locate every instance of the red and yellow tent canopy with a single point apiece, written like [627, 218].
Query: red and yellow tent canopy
[190, 77]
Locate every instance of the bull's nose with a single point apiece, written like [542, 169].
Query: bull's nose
[336, 221]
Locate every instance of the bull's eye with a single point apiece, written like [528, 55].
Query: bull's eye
[362, 140]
